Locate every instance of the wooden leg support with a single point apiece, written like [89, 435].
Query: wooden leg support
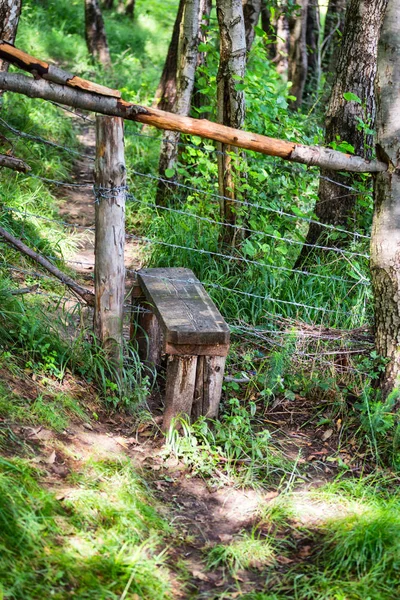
[147, 333]
[179, 393]
[209, 379]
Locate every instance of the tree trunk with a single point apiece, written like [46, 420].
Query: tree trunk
[130, 8]
[334, 25]
[251, 14]
[230, 104]
[385, 240]
[95, 33]
[166, 91]
[298, 52]
[108, 4]
[355, 72]
[269, 27]
[199, 100]
[187, 62]
[313, 50]
[10, 11]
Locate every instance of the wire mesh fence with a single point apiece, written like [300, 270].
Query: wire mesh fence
[264, 297]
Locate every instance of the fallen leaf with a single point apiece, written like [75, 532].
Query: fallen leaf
[283, 560]
[225, 538]
[305, 551]
[327, 434]
[199, 575]
[51, 458]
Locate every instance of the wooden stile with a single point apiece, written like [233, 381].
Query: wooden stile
[195, 337]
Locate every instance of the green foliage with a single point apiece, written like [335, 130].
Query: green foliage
[238, 444]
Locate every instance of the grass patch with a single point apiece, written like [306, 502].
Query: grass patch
[105, 538]
[245, 552]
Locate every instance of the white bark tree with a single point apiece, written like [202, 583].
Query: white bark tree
[187, 62]
[231, 105]
[10, 11]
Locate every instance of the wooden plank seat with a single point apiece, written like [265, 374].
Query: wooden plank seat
[185, 324]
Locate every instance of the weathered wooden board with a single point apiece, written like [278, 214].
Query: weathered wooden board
[208, 387]
[199, 350]
[187, 314]
[179, 392]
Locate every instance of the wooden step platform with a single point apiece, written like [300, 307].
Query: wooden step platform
[186, 325]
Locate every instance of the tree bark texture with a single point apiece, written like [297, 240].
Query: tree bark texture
[385, 239]
[166, 91]
[187, 63]
[251, 14]
[333, 30]
[230, 103]
[298, 60]
[130, 8]
[355, 72]
[107, 105]
[313, 28]
[199, 100]
[109, 269]
[95, 32]
[10, 11]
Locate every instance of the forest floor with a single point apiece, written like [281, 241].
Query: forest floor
[204, 513]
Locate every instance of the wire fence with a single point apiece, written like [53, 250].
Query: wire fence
[228, 286]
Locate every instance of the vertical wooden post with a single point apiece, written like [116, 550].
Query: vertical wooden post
[180, 385]
[110, 178]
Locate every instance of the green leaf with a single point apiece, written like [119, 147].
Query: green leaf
[350, 97]
[169, 173]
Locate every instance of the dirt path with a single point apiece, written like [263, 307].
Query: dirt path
[77, 207]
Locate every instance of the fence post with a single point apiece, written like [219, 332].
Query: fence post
[109, 270]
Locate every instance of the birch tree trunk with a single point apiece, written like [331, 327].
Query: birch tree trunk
[230, 104]
[298, 52]
[187, 62]
[96, 38]
[251, 14]
[385, 240]
[10, 11]
[166, 91]
[355, 72]
[199, 100]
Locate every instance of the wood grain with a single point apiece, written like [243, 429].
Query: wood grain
[187, 314]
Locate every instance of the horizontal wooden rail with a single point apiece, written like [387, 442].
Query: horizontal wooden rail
[87, 98]
[39, 68]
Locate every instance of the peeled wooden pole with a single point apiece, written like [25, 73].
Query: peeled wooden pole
[107, 105]
[109, 268]
[14, 163]
[85, 294]
[40, 68]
